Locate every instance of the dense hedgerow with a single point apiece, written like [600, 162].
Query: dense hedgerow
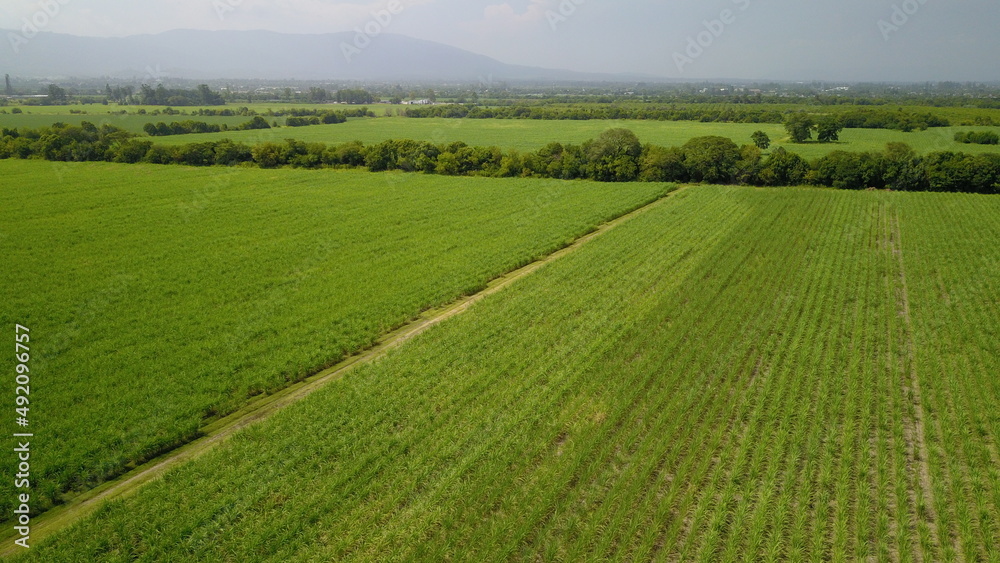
[978, 137]
[615, 156]
[854, 119]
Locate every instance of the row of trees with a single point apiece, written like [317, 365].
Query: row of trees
[978, 137]
[189, 126]
[898, 120]
[318, 112]
[616, 155]
[584, 113]
[161, 129]
[800, 127]
[161, 96]
[852, 119]
[325, 118]
[354, 96]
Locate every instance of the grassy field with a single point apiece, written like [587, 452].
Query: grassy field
[534, 134]
[161, 298]
[735, 374]
[40, 116]
[133, 123]
[519, 134]
[952, 279]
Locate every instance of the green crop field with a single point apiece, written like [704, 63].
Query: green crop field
[131, 122]
[534, 134]
[160, 298]
[524, 135]
[733, 374]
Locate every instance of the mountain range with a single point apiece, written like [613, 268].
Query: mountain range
[192, 54]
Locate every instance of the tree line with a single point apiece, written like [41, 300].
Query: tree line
[977, 137]
[899, 120]
[616, 155]
[191, 126]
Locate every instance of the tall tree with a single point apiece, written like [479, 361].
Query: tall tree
[9, 90]
[56, 94]
[828, 129]
[614, 156]
[711, 159]
[800, 127]
[761, 139]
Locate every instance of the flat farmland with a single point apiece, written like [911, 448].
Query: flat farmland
[161, 298]
[529, 135]
[733, 374]
[521, 134]
[131, 122]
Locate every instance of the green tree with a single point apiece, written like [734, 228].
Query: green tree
[207, 97]
[228, 153]
[131, 151]
[711, 159]
[851, 170]
[447, 164]
[381, 157]
[761, 140]
[56, 95]
[828, 129]
[511, 165]
[800, 127]
[614, 156]
[661, 164]
[749, 165]
[318, 95]
[268, 155]
[783, 168]
[904, 170]
[257, 122]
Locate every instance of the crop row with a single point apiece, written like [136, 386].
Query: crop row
[733, 374]
[952, 255]
[160, 302]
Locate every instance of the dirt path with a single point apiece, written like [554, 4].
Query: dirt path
[914, 430]
[83, 505]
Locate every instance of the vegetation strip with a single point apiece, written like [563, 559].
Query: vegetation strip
[239, 284]
[78, 508]
[616, 155]
[915, 432]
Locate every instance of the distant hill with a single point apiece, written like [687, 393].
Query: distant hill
[262, 55]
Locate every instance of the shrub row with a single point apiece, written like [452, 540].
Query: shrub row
[854, 119]
[615, 156]
[978, 137]
[161, 129]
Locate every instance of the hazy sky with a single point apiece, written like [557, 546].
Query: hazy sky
[781, 39]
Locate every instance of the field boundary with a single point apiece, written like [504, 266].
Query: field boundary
[80, 506]
[914, 428]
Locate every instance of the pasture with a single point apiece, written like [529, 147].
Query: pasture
[525, 135]
[533, 134]
[733, 374]
[161, 298]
